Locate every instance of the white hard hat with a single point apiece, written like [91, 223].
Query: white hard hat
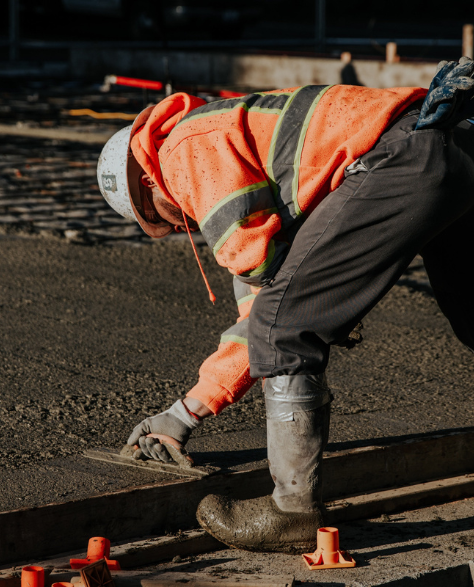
[118, 175]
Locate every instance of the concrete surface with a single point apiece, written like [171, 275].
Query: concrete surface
[95, 338]
[422, 547]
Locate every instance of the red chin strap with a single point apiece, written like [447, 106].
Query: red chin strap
[212, 297]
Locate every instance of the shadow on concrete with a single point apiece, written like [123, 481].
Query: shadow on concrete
[394, 550]
[229, 459]
[347, 445]
[370, 534]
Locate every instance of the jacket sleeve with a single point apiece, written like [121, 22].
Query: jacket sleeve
[216, 179]
[224, 377]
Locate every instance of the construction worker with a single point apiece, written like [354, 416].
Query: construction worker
[316, 199]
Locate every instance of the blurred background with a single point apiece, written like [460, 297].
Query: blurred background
[45, 29]
[73, 72]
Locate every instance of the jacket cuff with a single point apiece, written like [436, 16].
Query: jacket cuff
[212, 395]
[262, 275]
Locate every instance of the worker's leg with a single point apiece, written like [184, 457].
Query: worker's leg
[346, 256]
[355, 245]
[298, 409]
[449, 261]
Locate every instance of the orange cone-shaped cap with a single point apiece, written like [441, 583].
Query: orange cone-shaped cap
[327, 554]
[98, 548]
[32, 577]
[328, 545]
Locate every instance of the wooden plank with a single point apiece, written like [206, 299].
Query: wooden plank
[140, 553]
[148, 510]
[433, 456]
[202, 580]
[400, 499]
[153, 509]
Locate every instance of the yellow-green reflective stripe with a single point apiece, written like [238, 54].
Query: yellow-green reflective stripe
[261, 268]
[236, 194]
[264, 110]
[273, 93]
[299, 150]
[233, 338]
[233, 227]
[246, 299]
[276, 130]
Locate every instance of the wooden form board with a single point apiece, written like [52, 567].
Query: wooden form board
[366, 469]
[30, 533]
[389, 501]
[173, 579]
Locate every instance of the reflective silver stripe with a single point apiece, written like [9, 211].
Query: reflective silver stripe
[237, 333]
[287, 394]
[241, 290]
[264, 103]
[235, 210]
[286, 146]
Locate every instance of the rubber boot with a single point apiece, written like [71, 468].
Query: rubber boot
[288, 520]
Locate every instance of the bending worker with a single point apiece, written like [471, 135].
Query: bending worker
[316, 199]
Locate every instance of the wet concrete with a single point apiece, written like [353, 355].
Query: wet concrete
[95, 338]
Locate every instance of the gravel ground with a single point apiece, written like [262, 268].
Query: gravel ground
[96, 337]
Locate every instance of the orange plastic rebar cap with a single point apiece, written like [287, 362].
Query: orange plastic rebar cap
[327, 554]
[32, 576]
[98, 548]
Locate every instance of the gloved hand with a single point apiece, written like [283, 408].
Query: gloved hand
[450, 97]
[176, 422]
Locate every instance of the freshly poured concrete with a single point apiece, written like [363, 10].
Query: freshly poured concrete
[96, 338]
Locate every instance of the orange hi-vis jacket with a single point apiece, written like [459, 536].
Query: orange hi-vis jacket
[249, 170]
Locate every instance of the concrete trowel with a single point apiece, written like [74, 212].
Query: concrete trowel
[182, 465]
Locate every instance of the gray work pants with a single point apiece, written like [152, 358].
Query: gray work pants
[414, 193]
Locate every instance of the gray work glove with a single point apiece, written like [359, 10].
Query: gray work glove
[176, 422]
[450, 96]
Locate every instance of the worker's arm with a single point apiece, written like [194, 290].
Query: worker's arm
[216, 178]
[225, 376]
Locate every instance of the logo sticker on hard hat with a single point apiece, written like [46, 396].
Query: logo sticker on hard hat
[109, 182]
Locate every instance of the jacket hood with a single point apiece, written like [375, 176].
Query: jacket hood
[147, 140]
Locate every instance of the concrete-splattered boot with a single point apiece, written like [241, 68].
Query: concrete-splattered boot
[298, 409]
